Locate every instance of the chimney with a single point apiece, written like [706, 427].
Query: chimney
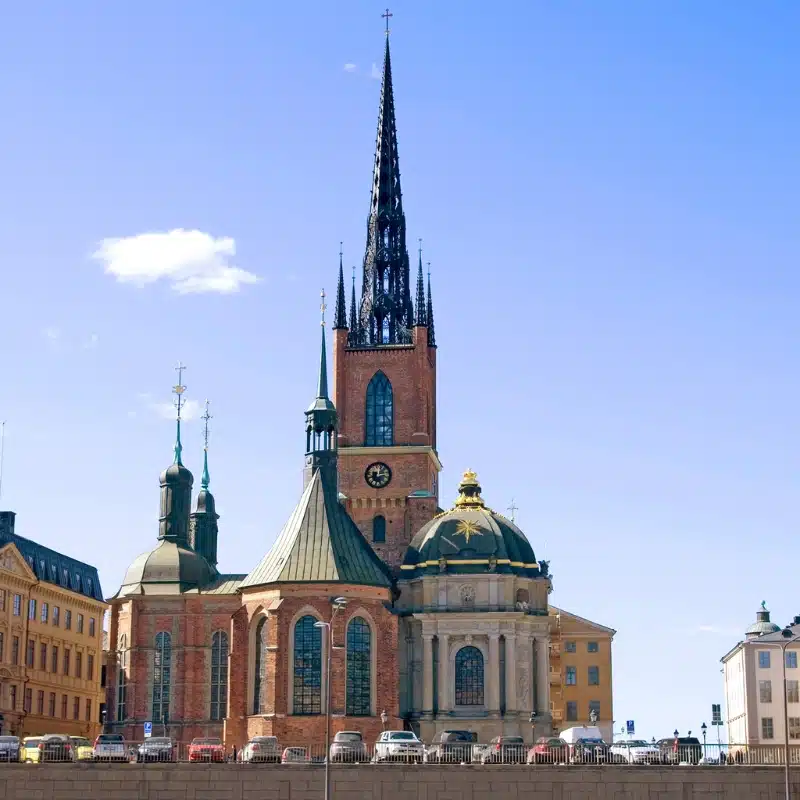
[796, 621]
[6, 522]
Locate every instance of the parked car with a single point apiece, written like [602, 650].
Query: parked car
[82, 747]
[157, 748]
[349, 746]
[55, 747]
[589, 751]
[296, 755]
[636, 751]
[9, 748]
[399, 746]
[110, 747]
[505, 750]
[680, 750]
[454, 747]
[549, 750]
[30, 750]
[206, 749]
[261, 750]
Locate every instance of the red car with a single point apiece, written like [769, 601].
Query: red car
[548, 750]
[206, 750]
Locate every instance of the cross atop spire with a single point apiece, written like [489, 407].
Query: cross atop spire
[178, 391]
[206, 417]
[513, 508]
[387, 15]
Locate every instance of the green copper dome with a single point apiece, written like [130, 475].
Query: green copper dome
[471, 538]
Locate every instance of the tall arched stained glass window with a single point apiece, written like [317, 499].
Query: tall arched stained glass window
[380, 412]
[359, 668]
[162, 672]
[219, 675]
[260, 668]
[469, 677]
[307, 667]
[122, 680]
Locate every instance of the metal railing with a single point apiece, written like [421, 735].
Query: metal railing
[418, 753]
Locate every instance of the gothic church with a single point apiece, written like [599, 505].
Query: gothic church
[446, 622]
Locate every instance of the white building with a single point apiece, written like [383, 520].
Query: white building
[754, 675]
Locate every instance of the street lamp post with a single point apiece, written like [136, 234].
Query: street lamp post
[704, 729]
[337, 605]
[789, 639]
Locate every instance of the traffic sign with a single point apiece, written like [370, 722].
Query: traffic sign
[630, 727]
[148, 730]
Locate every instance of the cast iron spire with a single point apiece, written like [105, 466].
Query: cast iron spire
[421, 318]
[340, 312]
[431, 331]
[386, 314]
[354, 336]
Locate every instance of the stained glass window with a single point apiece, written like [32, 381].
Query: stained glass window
[260, 672]
[359, 668]
[219, 675]
[162, 669]
[307, 667]
[469, 677]
[379, 529]
[380, 412]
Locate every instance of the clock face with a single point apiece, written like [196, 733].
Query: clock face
[378, 475]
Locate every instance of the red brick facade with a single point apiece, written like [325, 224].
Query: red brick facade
[411, 370]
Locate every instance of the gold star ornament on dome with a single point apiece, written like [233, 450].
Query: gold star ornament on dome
[467, 528]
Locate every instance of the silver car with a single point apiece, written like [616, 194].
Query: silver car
[399, 746]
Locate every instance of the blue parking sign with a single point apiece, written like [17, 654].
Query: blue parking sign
[630, 727]
[148, 730]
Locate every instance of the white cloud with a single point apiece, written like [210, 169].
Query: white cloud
[91, 342]
[375, 72]
[53, 334]
[350, 67]
[191, 261]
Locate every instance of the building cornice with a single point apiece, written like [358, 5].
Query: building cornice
[394, 450]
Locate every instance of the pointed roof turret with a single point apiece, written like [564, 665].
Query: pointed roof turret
[340, 312]
[431, 330]
[386, 314]
[203, 528]
[422, 318]
[354, 336]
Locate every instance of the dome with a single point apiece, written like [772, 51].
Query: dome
[169, 563]
[176, 474]
[471, 538]
[762, 625]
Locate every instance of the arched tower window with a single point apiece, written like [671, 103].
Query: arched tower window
[379, 529]
[162, 671]
[380, 412]
[359, 668]
[307, 667]
[219, 675]
[469, 677]
[122, 680]
[260, 670]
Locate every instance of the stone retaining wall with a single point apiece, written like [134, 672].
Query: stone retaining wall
[267, 782]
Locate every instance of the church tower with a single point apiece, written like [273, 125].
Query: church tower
[384, 362]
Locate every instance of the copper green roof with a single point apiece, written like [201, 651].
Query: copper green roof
[320, 544]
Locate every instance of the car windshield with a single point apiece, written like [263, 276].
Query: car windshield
[206, 741]
[511, 740]
[32, 742]
[687, 740]
[591, 741]
[402, 735]
[346, 736]
[110, 738]
[636, 743]
[8, 740]
[160, 742]
[266, 739]
[554, 742]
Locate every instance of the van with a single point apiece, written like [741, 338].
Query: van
[29, 752]
[571, 735]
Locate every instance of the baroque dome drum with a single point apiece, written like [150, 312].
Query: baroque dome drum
[471, 538]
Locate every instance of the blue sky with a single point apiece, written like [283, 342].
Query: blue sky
[608, 196]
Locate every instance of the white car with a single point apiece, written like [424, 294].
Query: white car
[110, 747]
[636, 751]
[399, 746]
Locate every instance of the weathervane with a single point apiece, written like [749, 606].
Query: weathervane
[386, 15]
[513, 509]
[206, 417]
[178, 391]
[322, 307]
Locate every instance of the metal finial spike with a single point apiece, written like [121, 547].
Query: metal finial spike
[178, 391]
[420, 249]
[387, 15]
[322, 307]
[206, 417]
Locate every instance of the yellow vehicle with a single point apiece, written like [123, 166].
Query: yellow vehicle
[82, 747]
[29, 751]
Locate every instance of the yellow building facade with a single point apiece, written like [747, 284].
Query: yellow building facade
[50, 641]
[581, 677]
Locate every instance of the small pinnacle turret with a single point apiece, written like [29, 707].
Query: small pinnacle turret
[340, 312]
[431, 330]
[353, 337]
[203, 527]
[421, 318]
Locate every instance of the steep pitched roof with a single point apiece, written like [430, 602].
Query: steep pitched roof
[320, 544]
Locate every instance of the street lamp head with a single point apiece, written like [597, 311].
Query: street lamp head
[320, 624]
[704, 727]
[339, 602]
[675, 733]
